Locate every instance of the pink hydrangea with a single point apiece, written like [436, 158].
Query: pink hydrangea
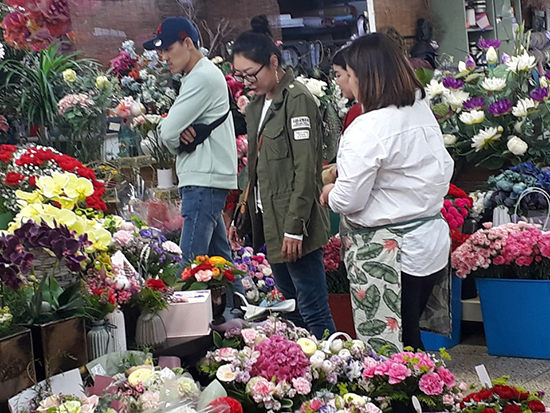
[281, 359]
[431, 384]
[123, 237]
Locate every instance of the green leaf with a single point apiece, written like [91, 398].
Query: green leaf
[367, 236]
[392, 300]
[424, 75]
[381, 271]
[369, 251]
[378, 343]
[372, 327]
[218, 340]
[361, 276]
[370, 303]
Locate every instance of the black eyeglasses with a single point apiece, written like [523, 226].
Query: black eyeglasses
[251, 78]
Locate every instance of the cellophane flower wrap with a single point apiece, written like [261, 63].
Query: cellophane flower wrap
[335, 403]
[149, 252]
[259, 285]
[496, 114]
[207, 272]
[511, 250]
[503, 398]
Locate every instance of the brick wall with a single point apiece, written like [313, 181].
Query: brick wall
[402, 14]
[100, 26]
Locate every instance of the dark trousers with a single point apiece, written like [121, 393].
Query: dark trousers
[305, 281]
[415, 293]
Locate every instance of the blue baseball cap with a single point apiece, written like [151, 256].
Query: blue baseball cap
[170, 31]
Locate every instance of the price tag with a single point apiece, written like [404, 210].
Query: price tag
[114, 126]
[483, 376]
[98, 370]
[416, 404]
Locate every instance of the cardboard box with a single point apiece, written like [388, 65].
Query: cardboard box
[191, 318]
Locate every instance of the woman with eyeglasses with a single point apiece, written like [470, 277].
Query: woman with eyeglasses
[284, 122]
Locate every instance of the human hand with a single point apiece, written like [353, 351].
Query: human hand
[323, 199]
[234, 241]
[188, 135]
[292, 249]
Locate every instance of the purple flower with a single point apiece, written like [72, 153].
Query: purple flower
[486, 43]
[452, 83]
[470, 63]
[146, 233]
[269, 281]
[505, 58]
[474, 103]
[540, 94]
[500, 107]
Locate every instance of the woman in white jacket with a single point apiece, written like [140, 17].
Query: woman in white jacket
[393, 173]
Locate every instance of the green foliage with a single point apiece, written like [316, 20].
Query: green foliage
[151, 300]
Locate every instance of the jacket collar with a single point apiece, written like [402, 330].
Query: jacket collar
[287, 79]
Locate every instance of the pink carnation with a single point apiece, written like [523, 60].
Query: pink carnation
[249, 335]
[431, 384]
[447, 377]
[302, 385]
[262, 390]
[398, 372]
[123, 237]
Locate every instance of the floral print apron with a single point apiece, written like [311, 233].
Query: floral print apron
[372, 257]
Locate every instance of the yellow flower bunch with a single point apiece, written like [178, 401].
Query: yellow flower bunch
[67, 190]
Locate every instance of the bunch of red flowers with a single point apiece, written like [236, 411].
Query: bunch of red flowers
[503, 398]
[35, 24]
[20, 167]
[456, 207]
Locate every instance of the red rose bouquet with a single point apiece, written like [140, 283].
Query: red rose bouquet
[503, 398]
[456, 207]
[207, 272]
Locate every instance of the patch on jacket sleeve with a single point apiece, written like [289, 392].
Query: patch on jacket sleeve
[300, 135]
[300, 122]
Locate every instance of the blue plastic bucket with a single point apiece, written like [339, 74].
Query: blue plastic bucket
[432, 341]
[516, 316]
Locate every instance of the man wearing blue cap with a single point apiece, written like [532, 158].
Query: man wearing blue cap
[207, 164]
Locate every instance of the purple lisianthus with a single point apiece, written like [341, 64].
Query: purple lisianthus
[452, 83]
[505, 58]
[146, 233]
[540, 94]
[486, 43]
[474, 103]
[500, 107]
[269, 281]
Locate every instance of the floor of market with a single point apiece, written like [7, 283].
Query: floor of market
[533, 374]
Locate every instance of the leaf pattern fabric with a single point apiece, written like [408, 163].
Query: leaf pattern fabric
[372, 259]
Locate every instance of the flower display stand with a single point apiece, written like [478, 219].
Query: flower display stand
[516, 316]
[59, 346]
[432, 341]
[16, 364]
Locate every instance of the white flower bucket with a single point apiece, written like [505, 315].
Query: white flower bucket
[164, 178]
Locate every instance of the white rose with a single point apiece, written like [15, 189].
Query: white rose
[267, 271]
[226, 374]
[167, 374]
[217, 60]
[336, 345]
[517, 146]
[317, 359]
[472, 117]
[449, 140]
[493, 84]
[523, 107]
[327, 366]
[344, 354]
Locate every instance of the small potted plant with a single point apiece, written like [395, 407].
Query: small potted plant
[152, 298]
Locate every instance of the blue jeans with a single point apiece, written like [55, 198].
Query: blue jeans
[203, 230]
[305, 281]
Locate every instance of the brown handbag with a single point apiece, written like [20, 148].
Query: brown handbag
[242, 219]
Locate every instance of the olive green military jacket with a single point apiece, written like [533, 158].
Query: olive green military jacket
[289, 167]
